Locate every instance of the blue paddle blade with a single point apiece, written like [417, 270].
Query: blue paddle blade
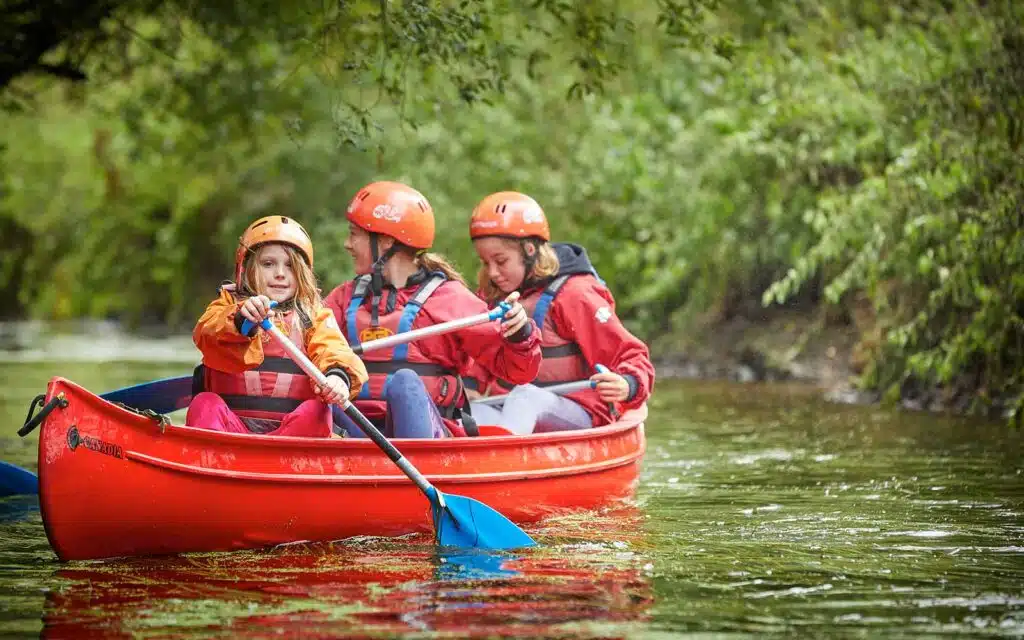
[15, 481]
[465, 522]
[473, 564]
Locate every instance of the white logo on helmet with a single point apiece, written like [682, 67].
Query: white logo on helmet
[533, 215]
[387, 212]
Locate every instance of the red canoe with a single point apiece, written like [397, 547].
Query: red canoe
[113, 482]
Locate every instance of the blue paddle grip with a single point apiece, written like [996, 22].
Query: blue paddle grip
[600, 369]
[499, 311]
[247, 325]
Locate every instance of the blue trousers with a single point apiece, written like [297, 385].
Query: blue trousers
[411, 412]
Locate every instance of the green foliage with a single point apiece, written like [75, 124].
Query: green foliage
[934, 234]
[844, 154]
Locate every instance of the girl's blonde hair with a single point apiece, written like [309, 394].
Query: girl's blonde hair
[545, 265]
[307, 295]
[437, 262]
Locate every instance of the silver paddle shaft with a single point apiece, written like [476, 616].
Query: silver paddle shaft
[425, 332]
[558, 389]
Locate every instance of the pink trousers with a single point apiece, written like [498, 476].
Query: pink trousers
[312, 418]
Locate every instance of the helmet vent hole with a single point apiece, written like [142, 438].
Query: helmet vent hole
[421, 205]
[501, 208]
[364, 195]
[260, 223]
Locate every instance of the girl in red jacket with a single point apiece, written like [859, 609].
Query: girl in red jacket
[576, 313]
[247, 383]
[416, 390]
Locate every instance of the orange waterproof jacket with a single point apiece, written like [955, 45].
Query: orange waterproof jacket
[226, 350]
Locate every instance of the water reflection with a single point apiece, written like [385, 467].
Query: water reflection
[473, 564]
[16, 508]
[370, 586]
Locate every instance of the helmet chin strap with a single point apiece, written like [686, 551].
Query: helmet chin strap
[377, 275]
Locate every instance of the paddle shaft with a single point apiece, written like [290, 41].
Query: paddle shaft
[357, 416]
[562, 389]
[432, 330]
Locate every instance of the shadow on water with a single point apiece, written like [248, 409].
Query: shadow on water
[361, 587]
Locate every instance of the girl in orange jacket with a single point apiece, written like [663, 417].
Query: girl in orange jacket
[247, 383]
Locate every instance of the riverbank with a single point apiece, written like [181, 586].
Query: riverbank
[800, 346]
[781, 345]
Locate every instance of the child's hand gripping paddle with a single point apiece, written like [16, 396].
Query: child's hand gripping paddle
[458, 521]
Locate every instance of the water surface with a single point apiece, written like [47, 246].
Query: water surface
[761, 510]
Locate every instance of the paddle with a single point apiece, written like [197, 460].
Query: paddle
[458, 521]
[433, 330]
[565, 388]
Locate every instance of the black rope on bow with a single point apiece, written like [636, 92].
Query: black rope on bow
[33, 421]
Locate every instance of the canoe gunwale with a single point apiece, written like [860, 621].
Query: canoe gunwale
[629, 420]
[495, 477]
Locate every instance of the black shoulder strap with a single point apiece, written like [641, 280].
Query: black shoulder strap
[198, 380]
[362, 286]
[557, 284]
[427, 289]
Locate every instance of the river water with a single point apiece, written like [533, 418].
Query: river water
[761, 510]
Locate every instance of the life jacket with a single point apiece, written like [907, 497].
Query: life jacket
[366, 322]
[262, 396]
[563, 359]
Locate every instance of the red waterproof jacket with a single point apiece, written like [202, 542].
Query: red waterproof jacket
[453, 353]
[582, 313]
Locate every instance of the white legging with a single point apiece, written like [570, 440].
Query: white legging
[531, 409]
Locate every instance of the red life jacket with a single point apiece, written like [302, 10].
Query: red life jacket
[262, 396]
[365, 321]
[563, 360]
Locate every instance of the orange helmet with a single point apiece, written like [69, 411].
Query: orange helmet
[509, 213]
[396, 210]
[272, 229]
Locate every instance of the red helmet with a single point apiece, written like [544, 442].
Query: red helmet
[272, 229]
[396, 210]
[509, 213]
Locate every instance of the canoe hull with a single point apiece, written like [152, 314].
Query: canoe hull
[114, 483]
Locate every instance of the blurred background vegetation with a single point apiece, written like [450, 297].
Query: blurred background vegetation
[857, 161]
